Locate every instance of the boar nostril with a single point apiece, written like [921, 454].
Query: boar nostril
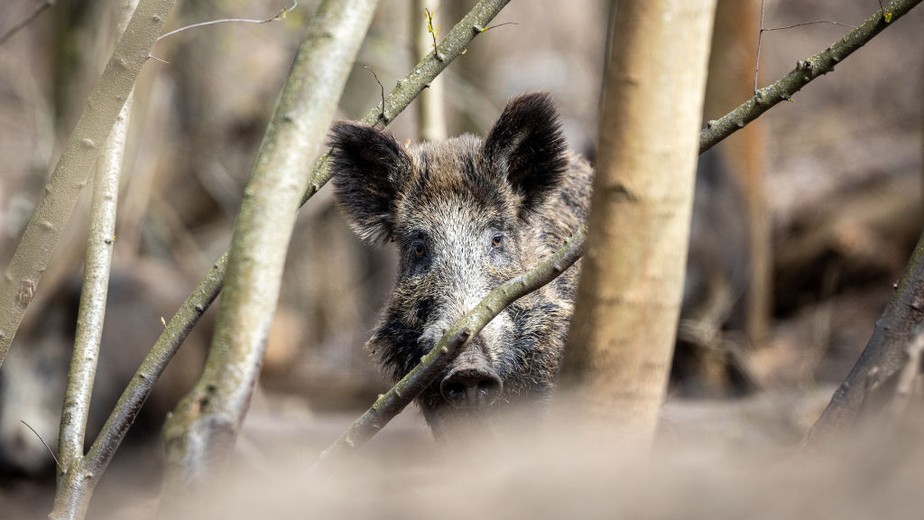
[471, 388]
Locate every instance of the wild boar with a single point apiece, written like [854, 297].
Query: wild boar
[465, 215]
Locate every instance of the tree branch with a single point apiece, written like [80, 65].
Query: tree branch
[388, 405]
[276, 17]
[205, 292]
[73, 168]
[74, 488]
[93, 295]
[806, 71]
[883, 357]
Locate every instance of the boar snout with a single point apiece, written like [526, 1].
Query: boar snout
[471, 382]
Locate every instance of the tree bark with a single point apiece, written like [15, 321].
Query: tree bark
[75, 486]
[883, 357]
[622, 333]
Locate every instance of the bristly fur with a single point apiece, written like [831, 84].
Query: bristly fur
[465, 215]
[527, 145]
[371, 166]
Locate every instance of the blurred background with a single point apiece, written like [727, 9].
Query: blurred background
[802, 223]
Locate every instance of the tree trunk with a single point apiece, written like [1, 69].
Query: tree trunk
[731, 76]
[622, 334]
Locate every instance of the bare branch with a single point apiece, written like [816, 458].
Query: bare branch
[377, 80]
[72, 171]
[486, 29]
[884, 356]
[388, 405]
[806, 71]
[803, 24]
[760, 35]
[15, 28]
[74, 490]
[278, 16]
[45, 444]
[93, 295]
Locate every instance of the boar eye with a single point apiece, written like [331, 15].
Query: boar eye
[497, 241]
[418, 256]
[417, 250]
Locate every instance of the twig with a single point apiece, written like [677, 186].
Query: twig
[760, 35]
[803, 24]
[388, 405]
[433, 31]
[886, 15]
[15, 28]
[806, 70]
[278, 16]
[762, 30]
[50, 452]
[486, 29]
[381, 88]
[793, 26]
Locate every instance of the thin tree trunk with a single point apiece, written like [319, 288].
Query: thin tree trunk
[75, 486]
[202, 432]
[731, 76]
[622, 334]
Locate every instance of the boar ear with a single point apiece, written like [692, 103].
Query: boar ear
[526, 145]
[368, 167]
